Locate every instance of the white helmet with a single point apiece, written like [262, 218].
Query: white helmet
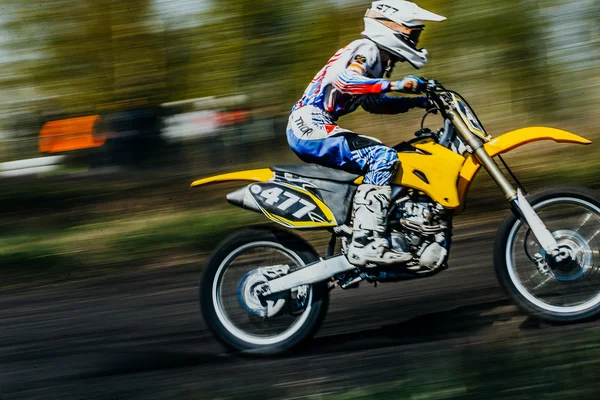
[395, 26]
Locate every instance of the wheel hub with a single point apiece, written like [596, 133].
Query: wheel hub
[250, 296]
[574, 255]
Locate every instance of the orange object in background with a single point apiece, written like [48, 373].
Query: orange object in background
[70, 134]
[234, 117]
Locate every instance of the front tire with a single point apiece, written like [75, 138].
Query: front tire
[568, 292]
[236, 324]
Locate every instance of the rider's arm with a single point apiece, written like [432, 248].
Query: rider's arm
[382, 104]
[352, 81]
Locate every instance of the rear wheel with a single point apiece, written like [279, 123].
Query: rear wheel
[229, 298]
[568, 291]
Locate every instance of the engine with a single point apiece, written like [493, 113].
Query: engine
[421, 227]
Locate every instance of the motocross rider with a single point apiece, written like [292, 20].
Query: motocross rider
[353, 78]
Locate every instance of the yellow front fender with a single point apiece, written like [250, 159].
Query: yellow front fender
[255, 175]
[514, 139]
[506, 143]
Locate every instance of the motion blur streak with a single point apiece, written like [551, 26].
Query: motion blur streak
[176, 90]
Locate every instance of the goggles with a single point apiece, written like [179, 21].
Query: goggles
[406, 34]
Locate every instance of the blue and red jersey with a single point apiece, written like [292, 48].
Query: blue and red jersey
[353, 78]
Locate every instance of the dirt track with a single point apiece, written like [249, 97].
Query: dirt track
[140, 335]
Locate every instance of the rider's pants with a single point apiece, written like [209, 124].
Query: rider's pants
[315, 138]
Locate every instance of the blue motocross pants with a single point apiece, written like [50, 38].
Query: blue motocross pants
[315, 138]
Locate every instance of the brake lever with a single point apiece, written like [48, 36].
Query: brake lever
[433, 85]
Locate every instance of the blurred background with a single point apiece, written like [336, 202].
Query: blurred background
[109, 109]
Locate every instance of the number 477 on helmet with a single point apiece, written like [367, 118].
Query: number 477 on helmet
[396, 25]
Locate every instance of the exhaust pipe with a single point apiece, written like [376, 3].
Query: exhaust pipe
[242, 198]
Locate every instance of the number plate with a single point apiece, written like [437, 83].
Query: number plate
[291, 205]
[468, 117]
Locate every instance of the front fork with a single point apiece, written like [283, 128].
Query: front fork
[521, 206]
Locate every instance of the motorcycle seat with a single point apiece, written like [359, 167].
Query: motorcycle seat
[317, 172]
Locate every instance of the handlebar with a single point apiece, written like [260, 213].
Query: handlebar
[447, 101]
[433, 93]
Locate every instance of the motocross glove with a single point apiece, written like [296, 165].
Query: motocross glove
[423, 102]
[411, 84]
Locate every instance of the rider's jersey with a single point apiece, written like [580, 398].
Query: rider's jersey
[351, 78]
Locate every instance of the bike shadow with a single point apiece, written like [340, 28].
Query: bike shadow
[440, 325]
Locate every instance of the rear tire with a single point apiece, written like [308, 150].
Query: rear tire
[221, 324]
[572, 214]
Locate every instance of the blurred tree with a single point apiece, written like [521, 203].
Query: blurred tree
[263, 47]
[87, 53]
[498, 42]
[91, 53]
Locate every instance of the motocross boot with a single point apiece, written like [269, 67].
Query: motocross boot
[370, 244]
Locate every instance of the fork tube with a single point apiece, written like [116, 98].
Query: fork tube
[484, 158]
[516, 198]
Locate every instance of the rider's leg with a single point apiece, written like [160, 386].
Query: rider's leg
[314, 139]
[370, 239]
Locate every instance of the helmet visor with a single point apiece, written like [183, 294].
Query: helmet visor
[409, 35]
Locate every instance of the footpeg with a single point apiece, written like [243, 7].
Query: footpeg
[352, 284]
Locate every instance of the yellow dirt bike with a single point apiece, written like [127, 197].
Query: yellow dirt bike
[266, 290]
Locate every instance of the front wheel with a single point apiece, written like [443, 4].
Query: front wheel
[554, 292]
[231, 303]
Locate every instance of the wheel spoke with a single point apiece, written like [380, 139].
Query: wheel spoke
[585, 219]
[546, 280]
[593, 236]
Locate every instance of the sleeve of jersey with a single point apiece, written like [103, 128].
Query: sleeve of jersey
[391, 104]
[352, 81]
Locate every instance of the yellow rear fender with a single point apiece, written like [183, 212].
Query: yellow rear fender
[507, 142]
[255, 175]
